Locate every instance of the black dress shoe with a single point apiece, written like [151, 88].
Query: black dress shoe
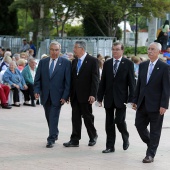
[16, 105]
[26, 104]
[126, 145]
[108, 150]
[50, 144]
[148, 159]
[6, 106]
[71, 144]
[92, 142]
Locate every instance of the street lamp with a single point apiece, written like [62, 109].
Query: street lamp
[136, 5]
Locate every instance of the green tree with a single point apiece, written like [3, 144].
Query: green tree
[8, 19]
[109, 13]
[32, 10]
[74, 30]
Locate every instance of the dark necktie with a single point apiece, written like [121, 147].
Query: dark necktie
[51, 68]
[115, 67]
[78, 65]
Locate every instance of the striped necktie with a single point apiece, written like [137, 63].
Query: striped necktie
[51, 68]
[115, 67]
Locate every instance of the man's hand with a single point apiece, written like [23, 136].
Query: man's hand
[36, 95]
[62, 101]
[91, 99]
[25, 87]
[134, 106]
[99, 103]
[162, 110]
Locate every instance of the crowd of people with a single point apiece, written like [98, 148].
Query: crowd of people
[17, 73]
[81, 79]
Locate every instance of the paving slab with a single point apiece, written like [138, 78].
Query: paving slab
[23, 133]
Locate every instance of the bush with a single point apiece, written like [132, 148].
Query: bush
[131, 50]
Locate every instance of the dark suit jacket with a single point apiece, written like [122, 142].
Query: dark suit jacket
[120, 88]
[85, 84]
[156, 91]
[58, 86]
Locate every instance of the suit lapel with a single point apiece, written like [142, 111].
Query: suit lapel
[121, 66]
[155, 70]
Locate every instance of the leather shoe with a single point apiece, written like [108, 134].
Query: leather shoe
[26, 104]
[16, 105]
[108, 150]
[71, 144]
[92, 142]
[126, 145]
[148, 159]
[50, 144]
[5, 106]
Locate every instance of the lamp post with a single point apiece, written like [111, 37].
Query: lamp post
[136, 5]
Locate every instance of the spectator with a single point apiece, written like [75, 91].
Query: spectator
[1, 53]
[21, 64]
[44, 56]
[30, 53]
[32, 46]
[5, 63]
[167, 55]
[163, 36]
[16, 57]
[14, 78]
[25, 46]
[4, 93]
[29, 75]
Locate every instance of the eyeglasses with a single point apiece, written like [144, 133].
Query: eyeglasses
[117, 49]
[55, 50]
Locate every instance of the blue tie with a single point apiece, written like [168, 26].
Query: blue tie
[78, 65]
[51, 68]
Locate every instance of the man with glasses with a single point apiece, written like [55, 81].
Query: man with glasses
[116, 88]
[84, 86]
[52, 84]
[151, 99]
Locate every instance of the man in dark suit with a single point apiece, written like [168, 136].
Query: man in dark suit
[116, 87]
[151, 99]
[52, 83]
[84, 86]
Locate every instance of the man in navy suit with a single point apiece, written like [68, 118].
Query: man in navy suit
[151, 99]
[52, 84]
[84, 86]
[116, 88]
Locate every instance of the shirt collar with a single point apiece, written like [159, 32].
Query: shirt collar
[153, 62]
[117, 59]
[83, 57]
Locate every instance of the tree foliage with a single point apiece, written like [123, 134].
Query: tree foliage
[8, 19]
[111, 12]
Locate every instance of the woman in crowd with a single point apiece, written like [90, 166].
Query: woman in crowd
[14, 78]
[5, 63]
[163, 36]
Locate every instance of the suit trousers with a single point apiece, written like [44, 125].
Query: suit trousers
[143, 118]
[114, 116]
[4, 92]
[79, 111]
[52, 113]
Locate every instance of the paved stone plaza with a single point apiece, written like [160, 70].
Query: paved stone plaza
[23, 133]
